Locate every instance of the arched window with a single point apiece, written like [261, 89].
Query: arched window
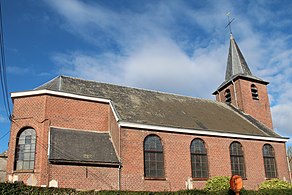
[227, 96]
[199, 159]
[153, 157]
[269, 161]
[237, 159]
[25, 150]
[254, 92]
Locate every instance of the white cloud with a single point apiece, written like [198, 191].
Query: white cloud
[17, 70]
[153, 47]
[151, 56]
[130, 27]
[282, 118]
[158, 64]
[163, 65]
[127, 28]
[105, 67]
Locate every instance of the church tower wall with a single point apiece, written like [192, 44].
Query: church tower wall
[242, 98]
[258, 108]
[242, 89]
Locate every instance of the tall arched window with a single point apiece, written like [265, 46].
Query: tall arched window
[269, 161]
[25, 150]
[153, 157]
[227, 96]
[237, 159]
[199, 159]
[254, 92]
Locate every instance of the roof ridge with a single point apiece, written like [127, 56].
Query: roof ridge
[143, 89]
[260, 125]
[56, 77]
[81, 130]
[152, 107]
[60, 83]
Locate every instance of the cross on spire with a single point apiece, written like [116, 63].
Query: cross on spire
[229, 22]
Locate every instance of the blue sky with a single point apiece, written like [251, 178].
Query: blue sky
[172, 46]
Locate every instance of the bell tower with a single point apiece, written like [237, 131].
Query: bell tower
[242, 89]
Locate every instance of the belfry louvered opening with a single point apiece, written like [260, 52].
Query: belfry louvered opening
[227, 96]
[254, 92]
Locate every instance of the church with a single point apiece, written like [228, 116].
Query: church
[75, 133]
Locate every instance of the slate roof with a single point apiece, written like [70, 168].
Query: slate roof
[72, 146]
[163, 109]
[237, 66]
[236, 63]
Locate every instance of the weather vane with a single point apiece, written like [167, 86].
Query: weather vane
[229, 22]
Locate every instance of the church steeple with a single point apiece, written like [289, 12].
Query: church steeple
[236, 64]
[242, 89]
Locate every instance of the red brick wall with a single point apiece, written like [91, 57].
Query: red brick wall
[114, 131]
[29, 112]
[41, 112]
[259, 109]
[221, 95]
[177, 160]
[81, 177]
[76, 114]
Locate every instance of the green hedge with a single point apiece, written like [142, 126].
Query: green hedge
[218, 183]
[275, 184]
[17, 188]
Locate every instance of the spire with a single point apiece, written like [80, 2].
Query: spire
[236, 64]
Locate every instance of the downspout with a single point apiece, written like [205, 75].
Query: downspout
[120, 158]
[235, 96]
[289, 168]
[117, 117]
[119, 177]
[120, 163]
[48, 155]
[219, 96]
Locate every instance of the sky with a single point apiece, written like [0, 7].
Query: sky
[177, 46]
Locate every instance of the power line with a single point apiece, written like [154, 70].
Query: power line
[4, 135]
[3, 75]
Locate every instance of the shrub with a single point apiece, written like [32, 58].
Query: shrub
[274, 184]
[19, 188]
[275, 192]
[218, 183]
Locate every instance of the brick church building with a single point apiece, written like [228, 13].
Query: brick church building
[74, 133]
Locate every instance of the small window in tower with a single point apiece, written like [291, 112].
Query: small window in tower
[227, 96]
[254, 92]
